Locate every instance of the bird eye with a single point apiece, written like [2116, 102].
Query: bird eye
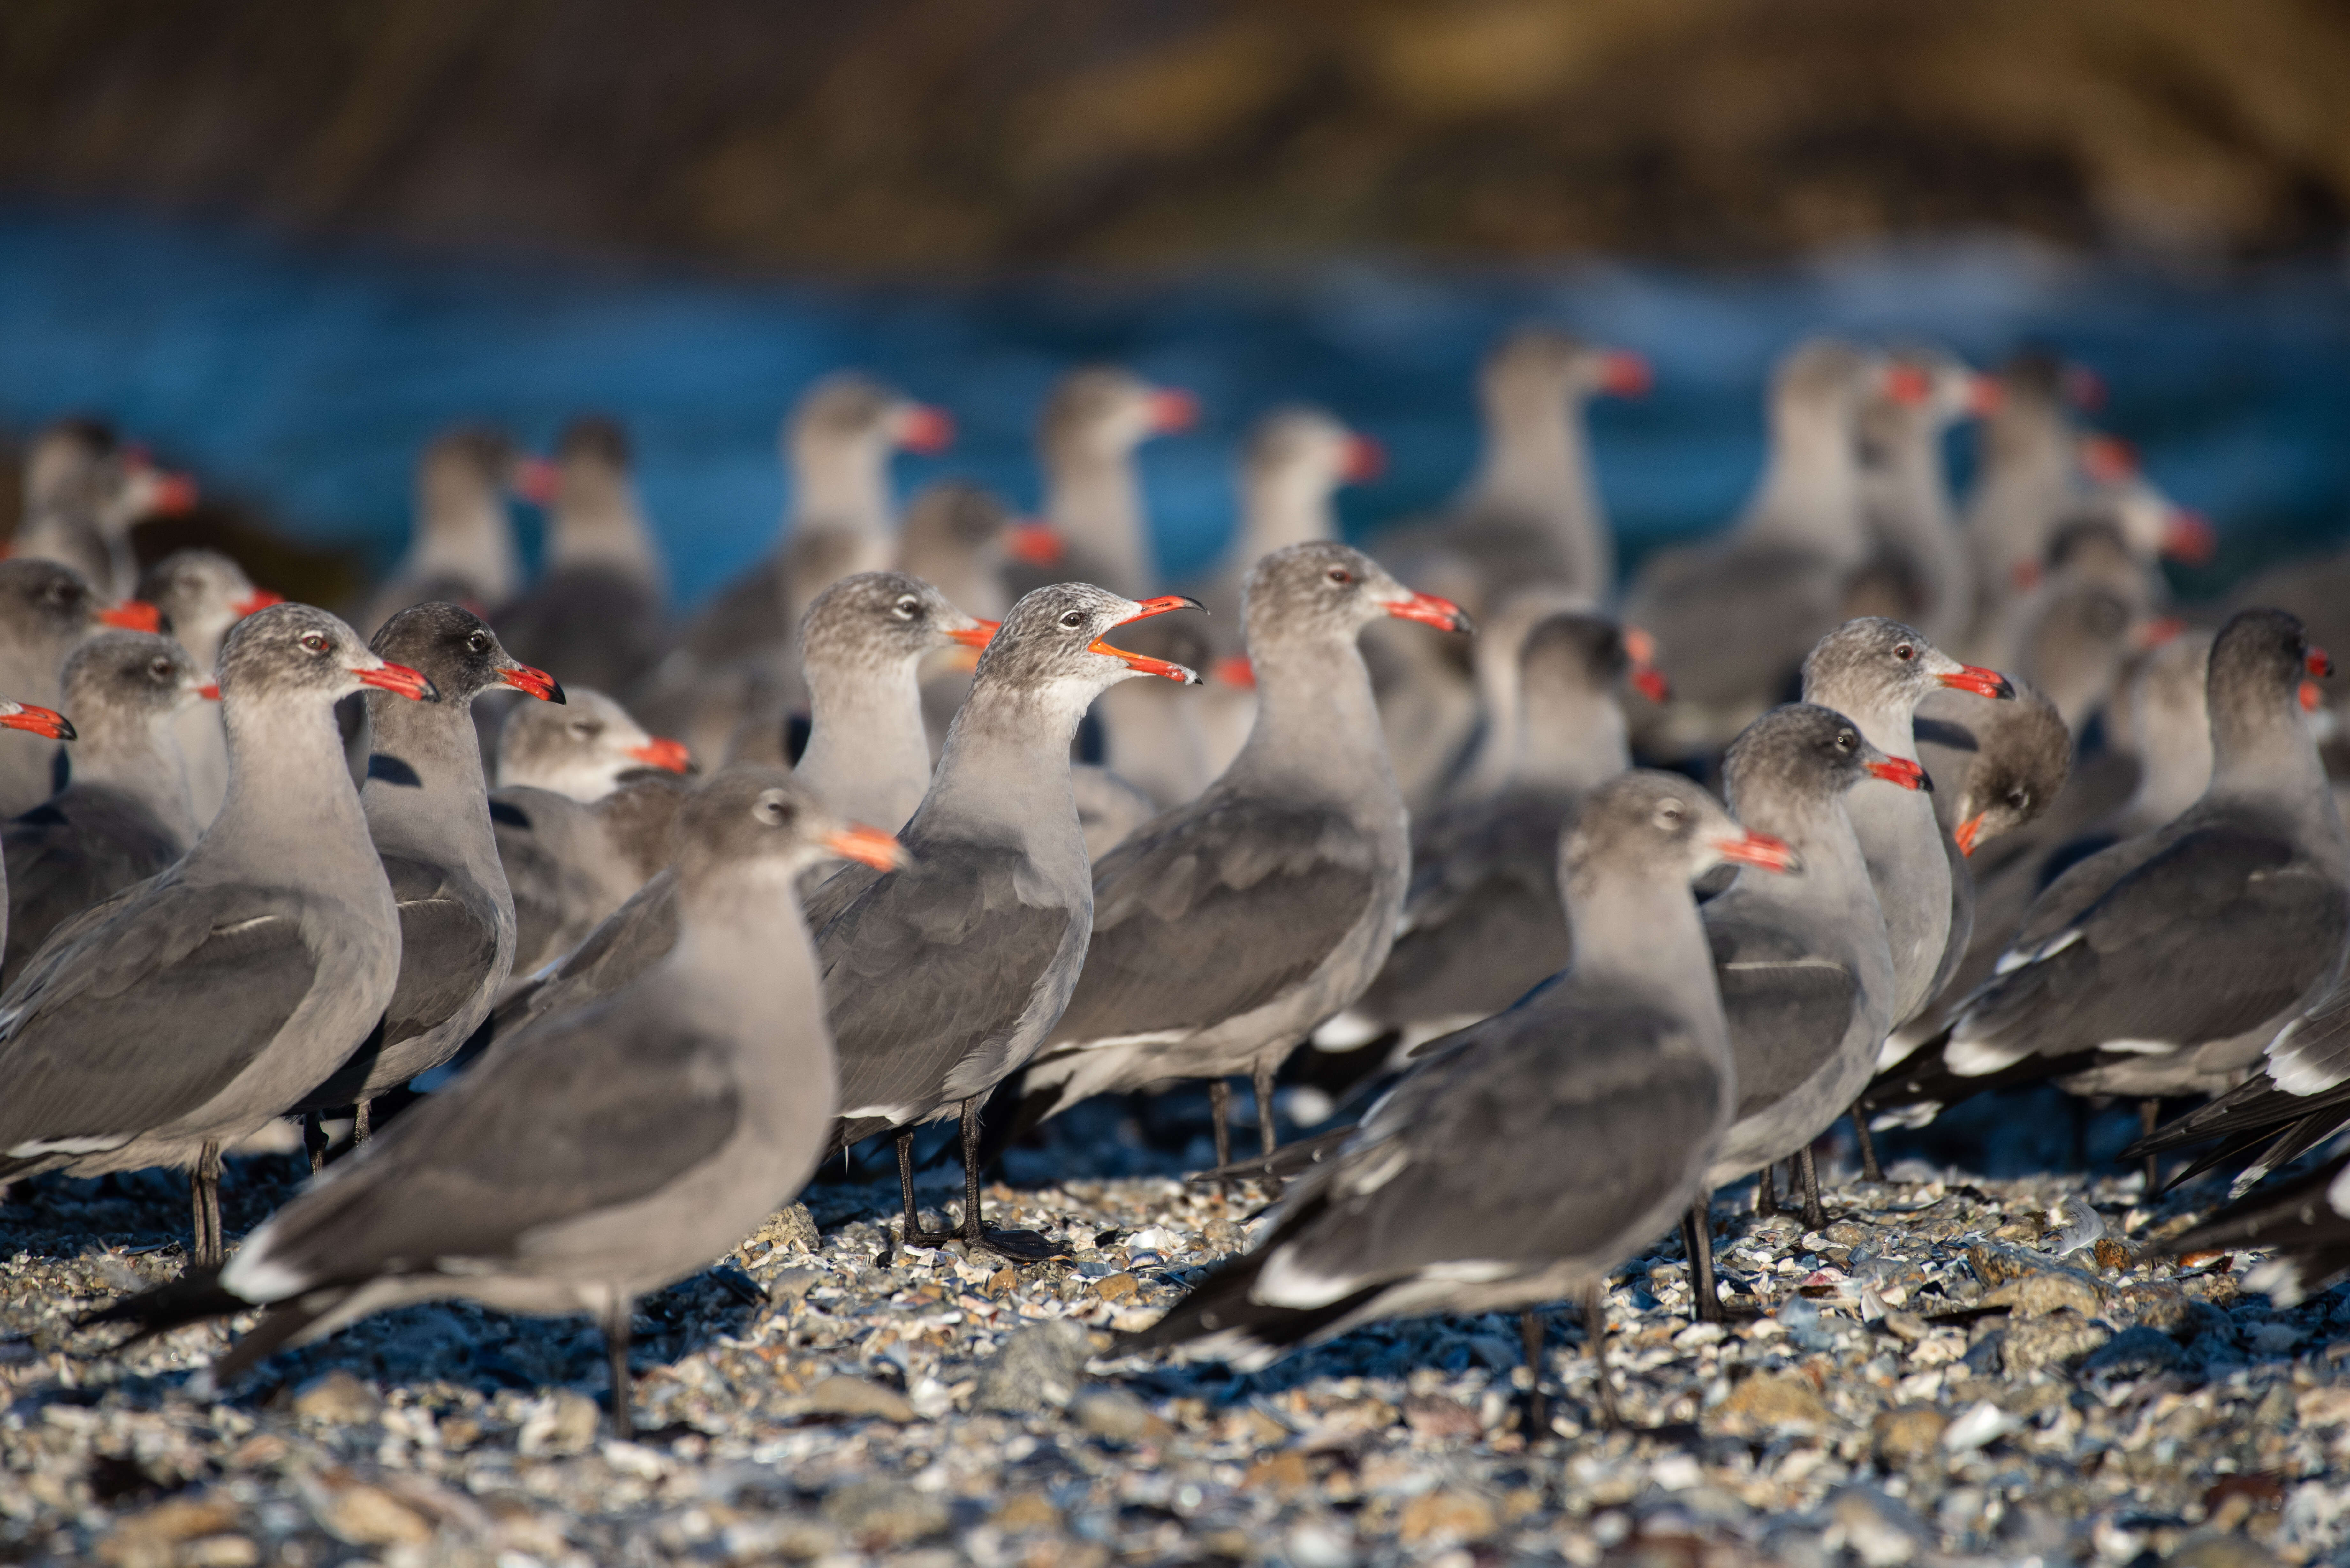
[1846, 739]
[1074, 619]
[775, 807]
[316, 641]
[1904, 652]
[61, 592]
[162, 668]
[2019, 798]
[1339, 575]
[1669, 815]
[585, 728]
[904, 608]
[479, 642]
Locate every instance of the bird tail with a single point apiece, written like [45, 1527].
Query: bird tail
[2309, 1239]
[196, 1296]
[1292, 1159]
[1221, 1318]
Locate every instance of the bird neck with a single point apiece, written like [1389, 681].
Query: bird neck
[1283, 503]
[141, 760]
[869, 754]
[290, 802]
[425, 789]
[1809, 495]
[599, 523]
[1833, 875]
[466, 534]
[1094, 499]
[1634, 930]
[743, 971]
[1536, 465]
[1004, 774]
[1317, 729]
[1572, 741]
[840, 483]
[201, 636]
[2262, 749]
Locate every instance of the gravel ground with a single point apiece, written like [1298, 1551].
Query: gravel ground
[1946, 1372]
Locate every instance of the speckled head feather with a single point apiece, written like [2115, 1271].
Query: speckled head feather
[128, 678]
[846, 407]
[880, 619]
[1800, 749]
[750, 815]
[1321, 590]
[1049, 639]
[1100, 408]
[1649, 823]
[194, 588]
[1870, 663]
[2258, 663]
[458, 652]
[294, 648]
[41, 601]
[1570, 651]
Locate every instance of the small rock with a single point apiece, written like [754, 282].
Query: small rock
[858, 1398]
[2135, 1352]
[2112, 1252]
[220, 1551]
[152, 1540]
[1436, 1420]
[1027, 1510]
[1879, 1530]
[338, 1398]
[1037, 1370]
[1906, 1327]
[2043, 1343]
[791, 1229]
[2221, 1551]
[566, 1424]
[881, 1513]
[2038, 1295]
[1118, 1417]
[794, 1284]
[1118, 1290]
[1313, 1545]
[364, 1515]
[1280, 1474]
[1993, 1268]
[1770, 1400]
[1445, 1517]
[1908, 1433]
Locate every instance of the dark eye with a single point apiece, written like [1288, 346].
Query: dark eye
[1074, 619]
[2019, 798]
[317, 641]
[1669, 814]
[1846, 739]
[1341, 575]
[162, 668]
[585, 728]
[61, 593]
[907, 608]
[1904, 652]
[479, 642]
[774, 808]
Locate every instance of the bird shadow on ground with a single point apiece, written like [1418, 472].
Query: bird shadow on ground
[61, 1215]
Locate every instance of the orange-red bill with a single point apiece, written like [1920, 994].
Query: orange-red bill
[974, 636]
[537, 682]
[660, 752]
[1900, 771]
[538, 479]
[926, 430]
[2318, 662]
[1038, 543]
[1907, 384]
[1649, 681]
[258, 599]
[43, 721]
[1982, 682]
[409, 683]
[1985, 395]
[1968, 832]
[1172, 409]
[2108, 459]
[2311, 696]
[209, 692]
[868, 846]
[1757, 849]
[1365, 459]
[2189, 536]
[1434, 611]
[1235, 670]
[2158, 631]
[1166, 669]
[1624, 374]
[136, 615]
[175, 495]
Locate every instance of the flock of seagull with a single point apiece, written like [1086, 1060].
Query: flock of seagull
[1995, 814]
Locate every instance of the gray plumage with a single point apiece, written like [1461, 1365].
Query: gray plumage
[462, 549]
[429, 818]
[1531, 1154]
[46, 611]
[570, 866]
[585, 749]
[124, 813]
[597, 611]
[199, 594]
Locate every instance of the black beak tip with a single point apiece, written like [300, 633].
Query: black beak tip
[554, 693]
[66, 732]
[2006, 689]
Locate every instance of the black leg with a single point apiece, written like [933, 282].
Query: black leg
[313, 1139]
[204, 1194]
[1766, 1189]
[1219, 1106]
[915, 1235]
[1869, 1170]
[1815, 1215]
[1595, 1332]
[616, 1350]
[360, 1123]
[1529, 1329]
[2149, 1117]
[1019, 1246]
[1697, 1240]
[1267, 1138]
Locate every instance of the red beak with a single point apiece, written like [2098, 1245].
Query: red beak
[975, 636]
[2189, 536]
[868, 846]
[1433, 610]
[1758, 849]
[1624, 374]
[409, 683]
[1235, 670]
[1364, 460]
[927, 429]
[2318, 662]
[1900, 771]
[538, 481]
[135, 615]
[662, 752]
[1650, 682]
[43, 721]
[1982, 682]
[175, 495]
[537, 682]
[1172, 409]
[2108, 459]
[2085, 388]
[1968, 832]
[1164, 669]
[2311, 696]
[1038, 543]
[211, 692]
[1985, 396]
[2159, 630]
[258, 599]
[1907, 384]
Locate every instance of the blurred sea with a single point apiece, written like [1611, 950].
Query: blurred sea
[304, 377]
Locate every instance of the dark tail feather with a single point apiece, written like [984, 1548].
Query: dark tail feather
[2292, 1214]
[1925, 1077]
[1292, 1159]
[279, 1324]
[1221, 1305]
[195, 1296]
[2254, 1106]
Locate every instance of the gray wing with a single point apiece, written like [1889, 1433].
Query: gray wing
[1214, 911]
[1536, 1137]
[2221, 930]
[146, 1008]
[545, 886]
[632, 939]
[1788, 1011]
[1735, 621]
[941, 980]
[1482, 923]
[72, 852]
[588, 1115]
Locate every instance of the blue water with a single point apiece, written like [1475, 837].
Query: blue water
[304, 377]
